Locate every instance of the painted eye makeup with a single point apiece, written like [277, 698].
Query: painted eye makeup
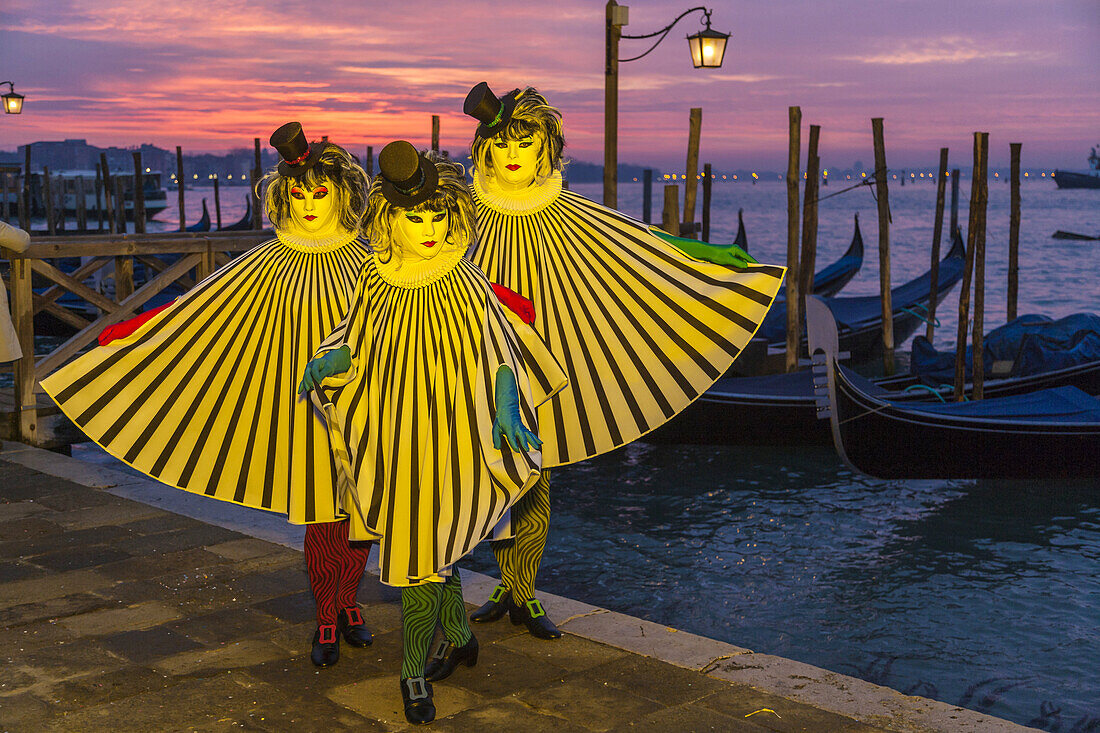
[526, 143]
[414, 218]
[320, 192]
[297, 193]
[439, 217]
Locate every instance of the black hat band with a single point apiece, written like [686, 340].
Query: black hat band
[299, 159]
[419, 184]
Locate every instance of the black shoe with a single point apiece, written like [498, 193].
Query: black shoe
[350, 623]
[534, 617]
[417, 695]
[495, 608]
[447, 656]
[326, 647]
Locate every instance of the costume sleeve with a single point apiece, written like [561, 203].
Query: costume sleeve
[14, 238]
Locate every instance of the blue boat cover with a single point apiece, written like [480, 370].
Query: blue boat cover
[1057, 405]
[1033, 343]
[795, 384]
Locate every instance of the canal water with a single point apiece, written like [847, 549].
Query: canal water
[977, 593]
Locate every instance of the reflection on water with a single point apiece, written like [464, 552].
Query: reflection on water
[981, 594]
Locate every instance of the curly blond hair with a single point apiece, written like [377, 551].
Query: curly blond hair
[533, 114]
[336, 165]
[452, 195]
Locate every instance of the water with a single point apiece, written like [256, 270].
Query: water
[983, 594]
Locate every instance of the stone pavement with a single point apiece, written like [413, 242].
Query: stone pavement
[119, 616]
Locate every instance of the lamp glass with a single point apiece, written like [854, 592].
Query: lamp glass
[708, 47]
[13, 103]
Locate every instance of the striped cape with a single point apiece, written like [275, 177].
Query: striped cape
[203, 396]
[640, 328]
[413, 416]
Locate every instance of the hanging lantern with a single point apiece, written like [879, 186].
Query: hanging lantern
[13, 103]
[708, 47]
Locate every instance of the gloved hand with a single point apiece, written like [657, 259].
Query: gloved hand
[332, 362]
[507, 422]
[720, 254]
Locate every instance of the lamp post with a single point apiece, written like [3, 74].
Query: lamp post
[13, 103]
[708, 47]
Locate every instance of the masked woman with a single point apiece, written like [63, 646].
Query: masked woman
[642, 322]
[201, 394]
[430, 377]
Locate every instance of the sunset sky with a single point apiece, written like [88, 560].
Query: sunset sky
[212, 74]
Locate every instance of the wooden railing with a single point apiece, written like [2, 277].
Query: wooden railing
[200, 254]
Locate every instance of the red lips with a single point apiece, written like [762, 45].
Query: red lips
[429, 243]
[513, 167]
[309, 217]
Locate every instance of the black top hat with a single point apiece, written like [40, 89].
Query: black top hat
[493, 113]
[298, 156]
[408, 178]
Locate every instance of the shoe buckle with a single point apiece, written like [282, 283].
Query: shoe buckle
[418, 688]
[498, 593]
[355, 618]
[441, 650]
[327, 634]
[534, 608]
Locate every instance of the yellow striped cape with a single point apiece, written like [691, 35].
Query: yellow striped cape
[640, 328]
[203, 396]
[414, 414]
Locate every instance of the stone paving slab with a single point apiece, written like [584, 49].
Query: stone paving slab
[172, 623]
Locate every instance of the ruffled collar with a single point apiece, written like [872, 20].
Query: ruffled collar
[528, 201]
[306, 243]
[419, 273]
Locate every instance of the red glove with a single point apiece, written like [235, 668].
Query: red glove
[125, 328]
[516, 303]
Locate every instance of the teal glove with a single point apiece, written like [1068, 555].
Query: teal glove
[332, 362]
[507, 422]
[720, 254]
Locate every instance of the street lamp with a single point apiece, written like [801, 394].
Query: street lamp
[13, 103]
[708, 48]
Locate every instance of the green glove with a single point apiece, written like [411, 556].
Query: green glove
[332, 362]
[507, 422]
[719, 254]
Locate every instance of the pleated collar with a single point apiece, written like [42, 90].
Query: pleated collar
[417, 274]
[532, 199]
[306, 243]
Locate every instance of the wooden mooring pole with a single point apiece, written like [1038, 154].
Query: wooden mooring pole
[1014, 232]
[883, 191]
[99, 197]
[647, 196]
[968, 275]
[25, 219]
[108, 193]
[139, 197]
[435, 134]
[707, 183]
[4, 194]
[217, 202]
[809, 220]
[982, 184]
[59, 195]
[257, 174]
[691, 177]
[670, 219]
[120, 206]
[180, 186]
[955, 175]
[47, 199]
[370, 161]
[81, 205]
[794, 151]
[937, 234]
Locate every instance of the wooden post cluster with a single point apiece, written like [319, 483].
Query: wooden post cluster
[794, 150]
[977, 191]
[179, 184]
[884, 246]
[257, 173]
[1014, 231]
[808, 258]
[691, 177]
[670, 220]
[707, 184]
[937, 234]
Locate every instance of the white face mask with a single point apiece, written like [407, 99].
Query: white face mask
[420, 235]
[314, 211]
[515, 162]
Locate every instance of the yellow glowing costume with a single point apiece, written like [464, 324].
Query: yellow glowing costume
[203, 395]
[640, 328]
[416, 411]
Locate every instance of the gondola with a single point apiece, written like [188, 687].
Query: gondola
[246, 221]
[1047, 434]
[203, 224]
[829, 280]
[860, 317]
